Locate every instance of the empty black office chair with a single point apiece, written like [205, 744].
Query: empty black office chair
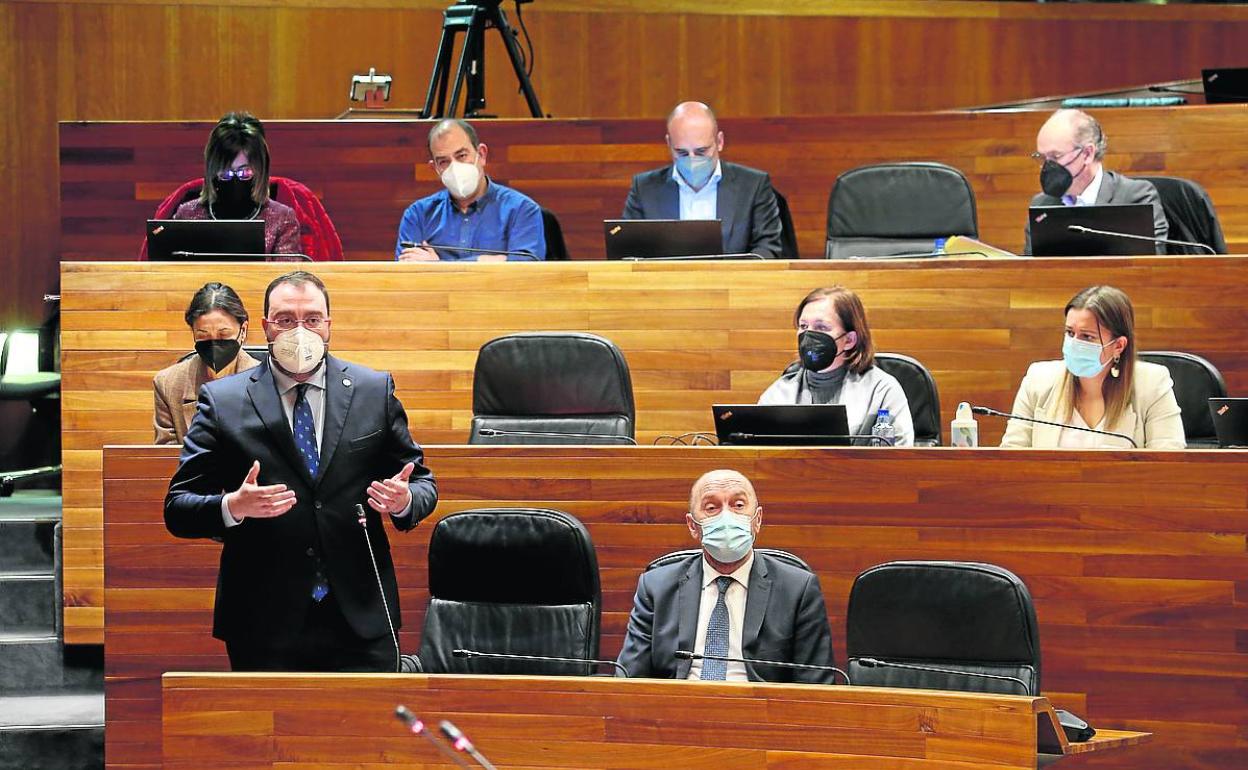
[921, 393]
[42, 390]
[1196, 380]
[788, 233]
[556, 247]
[963, 617]
[516, 581]
[898, 208]
[553, 383]
[1190, 214]
[675, 556]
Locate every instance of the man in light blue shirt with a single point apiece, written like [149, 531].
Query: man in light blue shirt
[475, 218]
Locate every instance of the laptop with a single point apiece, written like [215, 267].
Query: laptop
[781, 424]
[1225, 86]
[1230, 420]
[205, 240]
[646, 238]
[1051, 235]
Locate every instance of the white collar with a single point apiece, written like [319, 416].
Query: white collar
[1088, 196]
[285, 382]
[740, 574]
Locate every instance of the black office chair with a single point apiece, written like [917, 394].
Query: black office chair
[675, 556]
[965, 618]
[516, 581]
[788, 233]
[1190, 214]
[1196, 380]
[41, 389]
[553, 383]
[921, 394]
[556, 247]
[898, 208]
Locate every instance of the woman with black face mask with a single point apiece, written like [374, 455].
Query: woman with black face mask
[836, 365]
[236, 183]
[218, 324]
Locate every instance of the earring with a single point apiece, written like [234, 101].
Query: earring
[1113, 370]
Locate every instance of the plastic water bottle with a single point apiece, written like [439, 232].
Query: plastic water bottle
[939, 246]
[884, 429]
[964, 430]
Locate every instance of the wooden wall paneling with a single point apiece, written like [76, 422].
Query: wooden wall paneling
[1134, 560]
[693, 334]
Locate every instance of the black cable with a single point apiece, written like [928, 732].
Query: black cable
[528, 60]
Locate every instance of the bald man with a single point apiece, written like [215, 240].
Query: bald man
[727, 600]
[1071, 146]
[699, 185]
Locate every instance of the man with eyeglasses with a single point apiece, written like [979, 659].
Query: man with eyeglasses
[276, 463]
[1069, 149]
[727, 600]
[475, 215]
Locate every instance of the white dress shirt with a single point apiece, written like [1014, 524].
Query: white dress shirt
[734, 598]
[1088, 196]
[699, 204]
[1081, 439]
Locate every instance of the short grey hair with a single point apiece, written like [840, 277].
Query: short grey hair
[1088, 131]
[443, 126]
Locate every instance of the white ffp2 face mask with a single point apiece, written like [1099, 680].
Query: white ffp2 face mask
[461, 178]
[298, 350]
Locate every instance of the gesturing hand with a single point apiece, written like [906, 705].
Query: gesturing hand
[252, 501]
[391, 495]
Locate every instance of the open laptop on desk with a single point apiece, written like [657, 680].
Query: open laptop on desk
[1230, 421]
[646, 238]
[1225, 86]
[781, 424]
[205, 240]
[1051, 235]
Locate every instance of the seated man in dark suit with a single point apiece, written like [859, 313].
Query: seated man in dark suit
[698, 185]
[728, 600]
[1071, 145]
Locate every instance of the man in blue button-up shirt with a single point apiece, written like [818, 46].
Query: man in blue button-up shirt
[473, 212]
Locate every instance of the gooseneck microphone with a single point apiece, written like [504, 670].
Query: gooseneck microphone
[877, 663]
[687, 655]
[1134, 237]
[471, 250]
[461, 743]
[362, 517]
[240, 256]
[469, 654]
[871, 438]
[609, 437]
[994, 413]
[417, 726]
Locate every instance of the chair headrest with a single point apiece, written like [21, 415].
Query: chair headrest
[551, 373]
[902, 200]
[512, 555]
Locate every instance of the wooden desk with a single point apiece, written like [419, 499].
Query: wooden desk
[1136, 562]
[693, 334]
[340, 721]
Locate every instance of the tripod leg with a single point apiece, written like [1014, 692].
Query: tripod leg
[474, 33]
[441, 71]
[512, 45]
[474, 101]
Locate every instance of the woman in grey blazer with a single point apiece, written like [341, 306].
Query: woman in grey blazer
[836, 365]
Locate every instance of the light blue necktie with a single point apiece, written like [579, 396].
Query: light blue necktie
[717, 636]
[305, 430]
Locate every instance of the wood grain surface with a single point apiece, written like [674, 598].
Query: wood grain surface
[1135, 560]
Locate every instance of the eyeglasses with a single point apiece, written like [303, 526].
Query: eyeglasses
[286, 323]
[1040, 157]
[244, 173]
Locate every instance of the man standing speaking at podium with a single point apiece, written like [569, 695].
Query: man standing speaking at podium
[275, 463]
[727, 601]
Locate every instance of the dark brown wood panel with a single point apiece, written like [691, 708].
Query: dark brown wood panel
[1135, 561]
[693, 335]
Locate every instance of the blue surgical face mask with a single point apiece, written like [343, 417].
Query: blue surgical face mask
[695, 169]
[728, 536]
[1083, 358]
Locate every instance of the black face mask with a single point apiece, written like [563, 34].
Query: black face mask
[233, 199]
[817, 350]
[217, 354]
[1056, 179]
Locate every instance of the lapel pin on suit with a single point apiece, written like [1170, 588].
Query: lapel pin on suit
[346, 382]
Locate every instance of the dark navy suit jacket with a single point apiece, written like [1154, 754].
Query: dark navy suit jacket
[268, 566]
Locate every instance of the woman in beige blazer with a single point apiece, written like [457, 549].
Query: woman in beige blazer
[218, 324]
[1098, 384]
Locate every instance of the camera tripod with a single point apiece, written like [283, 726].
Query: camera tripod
[473, 18]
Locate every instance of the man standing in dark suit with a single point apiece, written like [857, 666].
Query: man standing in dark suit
[699, 185]
[727, 600]
[275, 463]
[1071, 146]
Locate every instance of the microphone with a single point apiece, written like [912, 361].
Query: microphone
[871, 438]
[242, 257]
[687, 655]
[461, 743]
[470, 250]
[876, 663]
[1133, 237]
[469, 654]
[417, 726]
[994, 413]
[362, 517]
[556, 434]
[746, 255]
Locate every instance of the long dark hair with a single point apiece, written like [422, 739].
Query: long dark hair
[215, 296]
[237, 132]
